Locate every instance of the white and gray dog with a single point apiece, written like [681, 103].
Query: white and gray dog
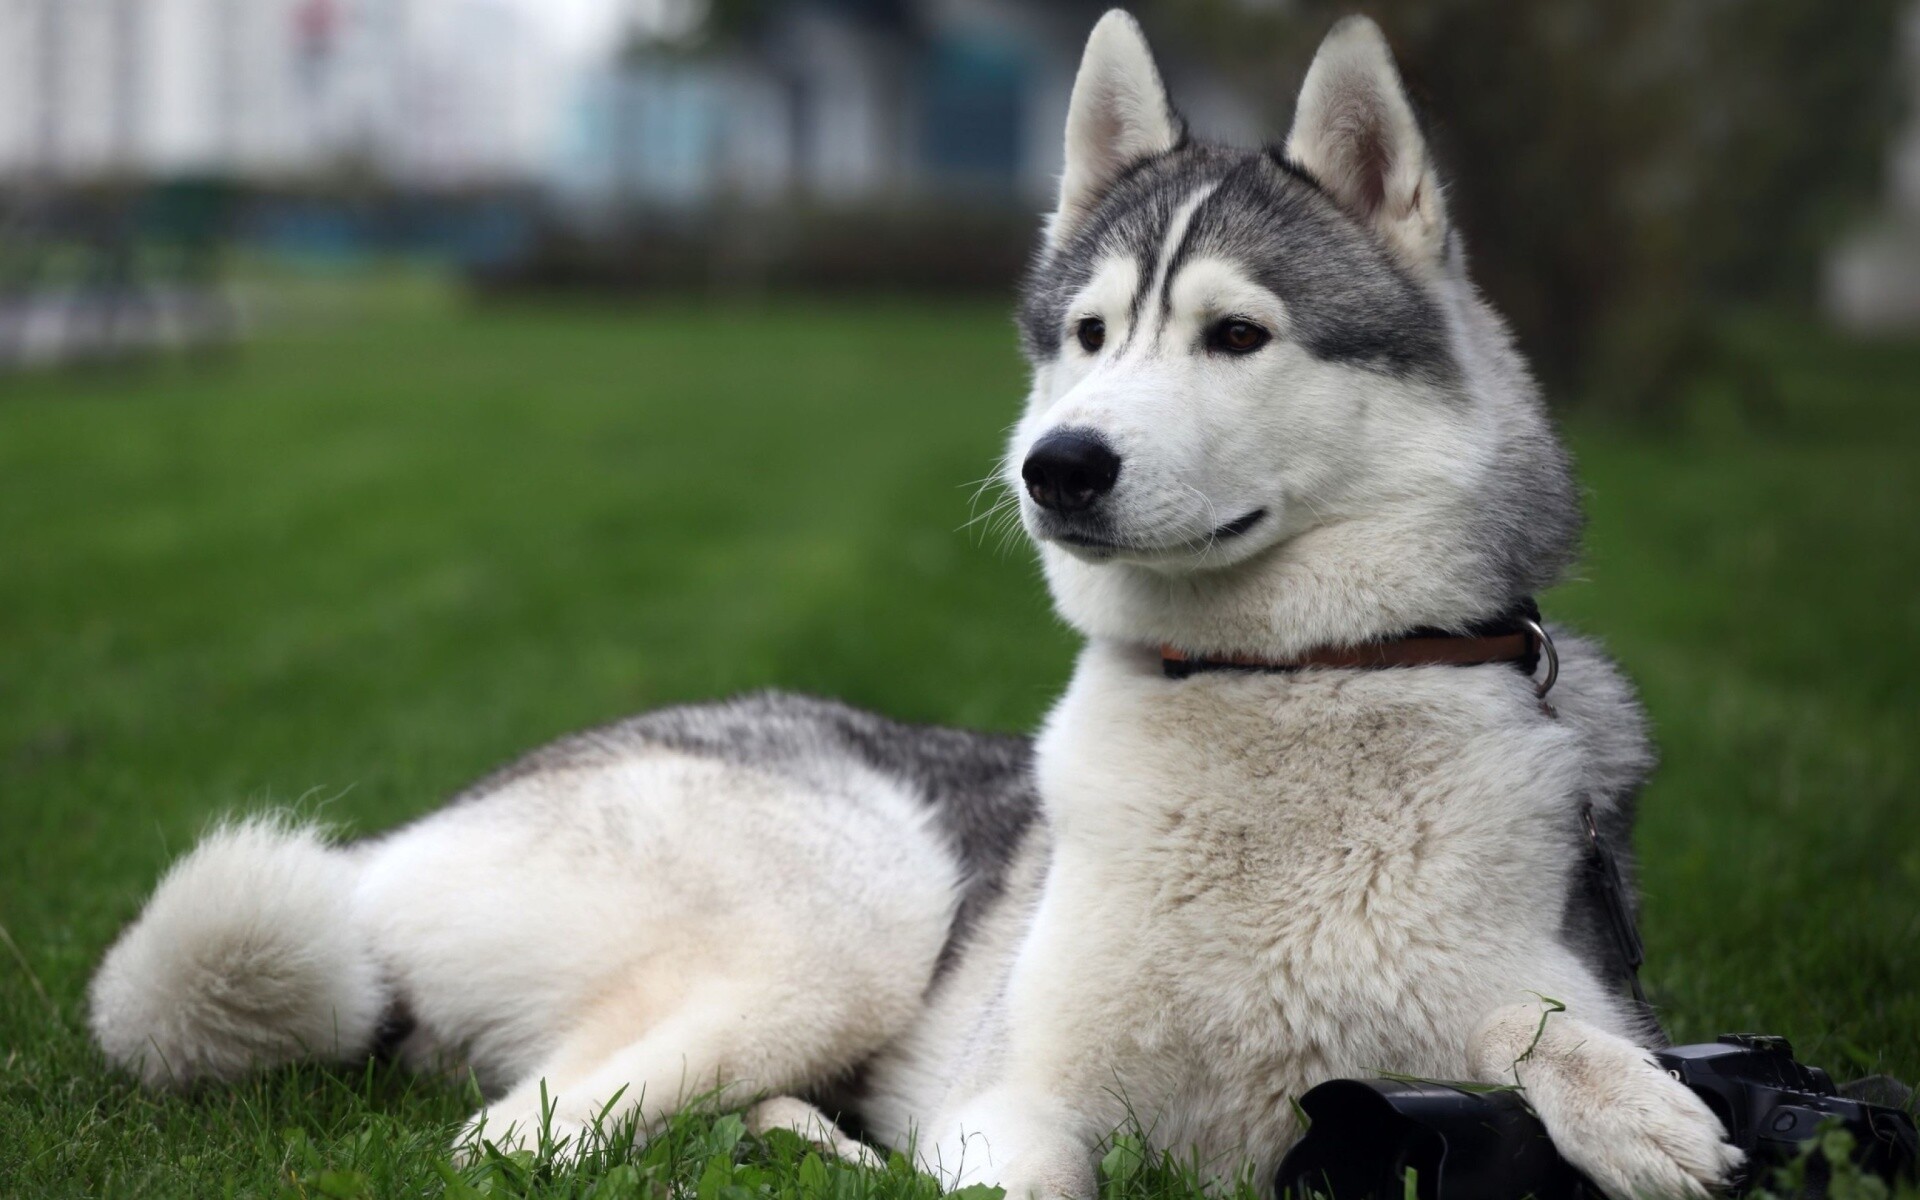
[1271, 426]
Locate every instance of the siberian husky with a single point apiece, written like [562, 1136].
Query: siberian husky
[1273, 430]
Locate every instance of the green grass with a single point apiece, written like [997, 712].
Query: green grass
[357, 566]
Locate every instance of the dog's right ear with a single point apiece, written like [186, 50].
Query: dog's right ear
[1119, 114]
[1355, 132]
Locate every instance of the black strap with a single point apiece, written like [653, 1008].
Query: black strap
[1613, 897]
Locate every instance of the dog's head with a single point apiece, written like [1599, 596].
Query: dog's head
[1268, 408]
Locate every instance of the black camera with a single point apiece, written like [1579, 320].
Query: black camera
[1392, 1139]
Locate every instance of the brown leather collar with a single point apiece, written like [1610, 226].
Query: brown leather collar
[1400, 652]
[1516, 638]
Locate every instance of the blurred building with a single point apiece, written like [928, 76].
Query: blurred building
[851, 101]
[841, 101]
[877, 144]
[418, 92]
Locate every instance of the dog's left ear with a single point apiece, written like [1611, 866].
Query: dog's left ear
[1354, 131]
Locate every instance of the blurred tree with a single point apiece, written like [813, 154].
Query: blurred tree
[1622, 169]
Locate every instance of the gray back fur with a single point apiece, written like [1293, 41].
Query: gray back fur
[978, 786]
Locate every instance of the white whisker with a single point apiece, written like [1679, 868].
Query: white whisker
[1212, 516]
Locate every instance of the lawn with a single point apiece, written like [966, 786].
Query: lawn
[357, 564]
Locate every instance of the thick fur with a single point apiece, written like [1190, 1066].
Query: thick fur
[247, 956]
[1188, 901]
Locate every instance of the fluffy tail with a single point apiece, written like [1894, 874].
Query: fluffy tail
[245, 957]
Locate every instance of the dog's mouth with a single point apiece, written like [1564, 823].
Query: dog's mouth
[1085, 541]
[1239, 525]
[1097, 542]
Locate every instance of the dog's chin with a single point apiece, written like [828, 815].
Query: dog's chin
[1087, 550]
[1099, 543]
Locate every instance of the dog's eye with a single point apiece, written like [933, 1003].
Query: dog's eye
[1236, 335]
[1092, 332]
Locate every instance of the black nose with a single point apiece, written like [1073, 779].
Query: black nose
[1067, 470]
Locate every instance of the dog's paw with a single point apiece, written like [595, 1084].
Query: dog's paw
[1666, 1147]
[816, 1127]
[1048, 1177]
[512, 1128]
[1637, 1132]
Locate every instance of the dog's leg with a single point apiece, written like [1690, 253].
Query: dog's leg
[584, 1084]
[721, 1044]
[797, 1116]
[1612, 1112]
[1014, 1138]
[1054, 1166]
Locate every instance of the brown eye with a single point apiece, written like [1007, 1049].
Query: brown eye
[1092, 332]
[1237, 336]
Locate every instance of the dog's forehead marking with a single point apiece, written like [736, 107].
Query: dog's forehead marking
[1207, 285]
[1345, 300]
[1131, 271]
[1172, 237]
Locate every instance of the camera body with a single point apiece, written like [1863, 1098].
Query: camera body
[1464, 1142]
[1772, 1104]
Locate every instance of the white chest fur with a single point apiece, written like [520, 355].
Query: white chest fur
[1262, 881]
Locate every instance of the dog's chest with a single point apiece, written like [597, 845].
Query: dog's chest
[1283, 852]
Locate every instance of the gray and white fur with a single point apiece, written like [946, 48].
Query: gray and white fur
[1269, 412]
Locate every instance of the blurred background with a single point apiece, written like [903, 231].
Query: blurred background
[387, 386]
[1622, 169]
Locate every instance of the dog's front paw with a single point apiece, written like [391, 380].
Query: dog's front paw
[1049, 1177]
[1633, 1129]
[1646, 1137]
[1636, 1131]
[1019, 1142]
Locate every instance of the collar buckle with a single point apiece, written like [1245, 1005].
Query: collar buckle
[1549, 656]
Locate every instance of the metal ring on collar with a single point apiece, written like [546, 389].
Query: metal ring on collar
[1547, 654]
